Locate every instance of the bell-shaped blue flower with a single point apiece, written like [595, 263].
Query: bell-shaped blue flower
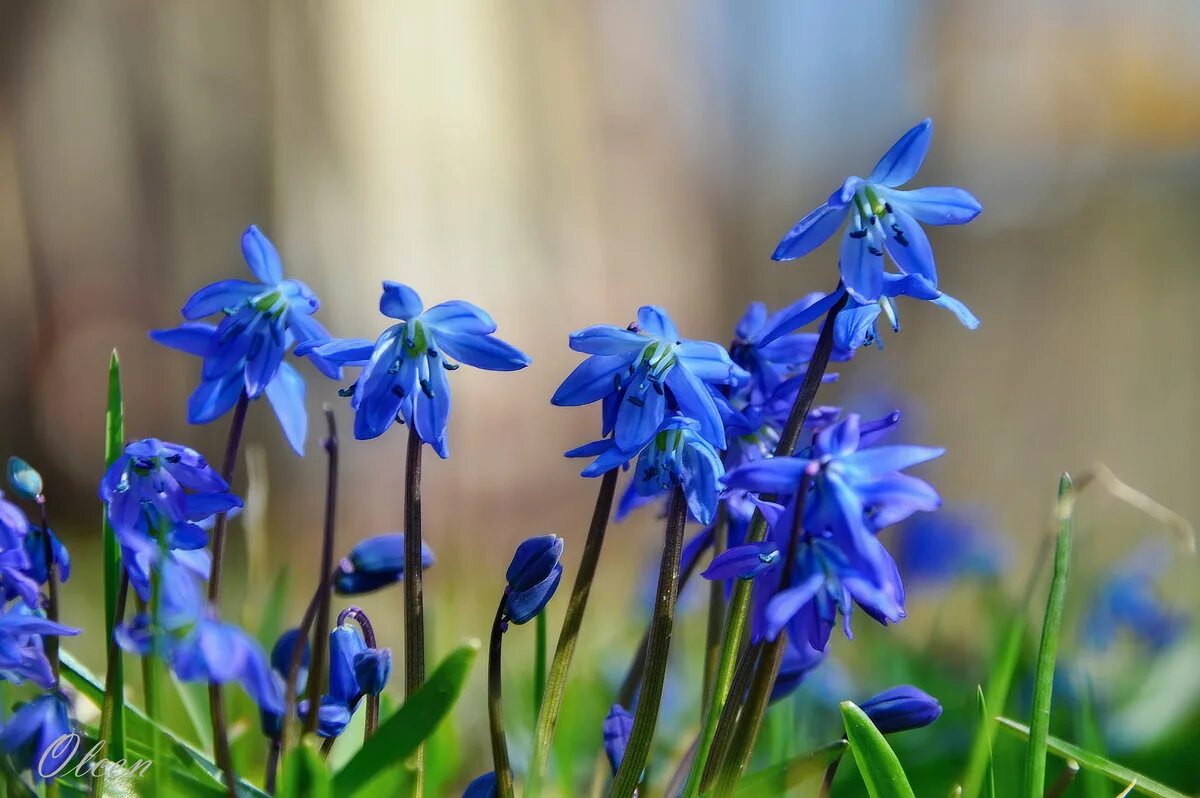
[618, 725]
[218, 652]
[22, 657]
[375, 563]
[404, 371]
[645, 372]
[24, 480]
[481, 787]
[14, 557]
[35, 548]
[883, 219]
[901, 708]
[30, 734]
[532, 577]
[281, 662]
[245, 350]
[771, 364]
[372, 669]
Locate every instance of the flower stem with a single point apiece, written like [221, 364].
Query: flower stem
[500, 763]
[368, 633]
[739, 605]
[272, 764]
[565, 650]
[320, 639]
[541, 632]
[51, 641]
[414, 597]
[293, 673]
[114, 675]
[645, 717]
[727, 722]
[716, 608]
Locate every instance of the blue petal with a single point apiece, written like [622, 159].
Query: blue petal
[264, 364]
[909, 247]
[612, 457]
[213, 398]
[592, 380]
[399, 301]
[605, 339]
[195, 338]
[797, 316]
[345, 643]
[590, 449]
[886, 459]
[618, 726]
[695, 402]
[217, 297]
[784, 605]
[912, 285]
[481, 351]
[743, 562]
[655, 322]
[773, 475]
[855, 326]
[901, 162]
[432, 409]
[840, 439]
[960, 311]
[861, 268]
[937, 205]
[708, 361]
[702, 480]
[311, 334]
[345, 351]
[533, 561]
[810, 232]
[457, 316]
[482, 787]
[261, 256]
[286, 394]
[752, 321]
[642, 410]
[894, 497]
[524, 605]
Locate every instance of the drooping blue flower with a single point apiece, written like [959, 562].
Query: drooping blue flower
[883, 218]
[799, 660]
[482, 787]
[14, 557]
[677, 455]
[35, 548]
[281, 663]
[373, 669]
[29, 736]
[1128, 598]
[22, 657]
[618, 725]
[533, 577]
[644, 373]
[901, 708]
[937, 549]
[25, 481]
[375, 563]
[404, 370]
[217, 653]
[245, 350]
[344, 694]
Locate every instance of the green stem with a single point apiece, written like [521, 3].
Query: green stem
[727, 723]
[645, 717]
[539, 663]
[1039, 725]
[114, 680]
[495, 704]
[51, 641]
[567, 638]
[414, 595]
[716, 609]
[151, 669]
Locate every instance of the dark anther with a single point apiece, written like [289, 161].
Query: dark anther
[873, 220]
[173, 458]
[396, 389]
[857, 233]
[657, 387]
[634, 327]
[887, 206]
[431, 352]
[650, 473]
[616, 382]
[411, 344]
[400, 419]
[875, 251]
[448, 366]
[426, 388]
[636, 401]
[347, 391]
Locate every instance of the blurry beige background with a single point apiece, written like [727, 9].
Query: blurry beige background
[561, 164]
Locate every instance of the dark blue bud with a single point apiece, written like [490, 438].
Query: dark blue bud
[372, 668]
[35, 549]
[282, 653]
[23, 479]
[524, 606]
[617, 728]
[743, 562]
[375, 563]
[901, 708]
[534, 560]
[482, 787]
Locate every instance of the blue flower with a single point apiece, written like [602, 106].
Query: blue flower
[533, 577]
[883, 218]
[281, 663]
[677, 455]
[245, 350]
[773, 363]
[375, 563]
[21, 655]
[618, 725]
[35, 548]
[901, 709]
[218, 653]
[14, 557]
[482, 787]
[643, 373]
[743, 562]
[937, 549]
[1127, 598]
[30, 735]
[799, 660]
[23, 479]
[404, 371]
[373, 669]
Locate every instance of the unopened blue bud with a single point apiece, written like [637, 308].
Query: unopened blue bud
[375, 563]
[23, 479]
[901, 708]
[482, 787]
[534, 560]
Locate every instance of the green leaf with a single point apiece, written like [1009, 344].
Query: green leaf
[402, 734]
[1094, 762]
[989, 774]
[1092, 739]
[880, 769]
[1043, 685]
[305, 775]
[112, 705]
[781, 777]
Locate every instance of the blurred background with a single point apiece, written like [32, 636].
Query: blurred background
[562, 164]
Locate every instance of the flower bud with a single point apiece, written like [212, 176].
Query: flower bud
[375, 563]
[901, 708]
[482, 787]
[23, 479]
[533, 577]
[372, 668]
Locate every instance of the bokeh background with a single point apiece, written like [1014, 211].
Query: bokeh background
[560, 165]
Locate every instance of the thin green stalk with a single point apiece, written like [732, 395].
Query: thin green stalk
[539, 663]
[645, 717]
[500, 763]
[727, 723]
[716, 609]
[1035, 763]
[556, 680]
[414, 593]
[152, 671]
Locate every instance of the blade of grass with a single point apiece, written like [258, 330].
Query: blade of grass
[877, 762]
[985, 722]
[1035, 761]
[1092, 739]
[112, 704]
[1096, 763]
[305, 774]
[781, 777]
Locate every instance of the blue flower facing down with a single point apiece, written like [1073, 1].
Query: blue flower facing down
[901, 709]
[375, 563]
[883, 219]
[404, 371]
[618, 725]
[373, 669]
[15, 565]
[1128, 598]
[281, 663]
[29, 736]
[677, 455]
[217, 652]
[21, 654]
[645, 372]
[533, 577]
[245, 350]
[481, 787]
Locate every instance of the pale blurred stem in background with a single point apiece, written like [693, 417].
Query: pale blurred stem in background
[51, 589]
[567, 638]
[662, 623]
[500, 763]
[739, 605]
[767, 669]
[320, 632]
[414, 599]
[216, 701]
